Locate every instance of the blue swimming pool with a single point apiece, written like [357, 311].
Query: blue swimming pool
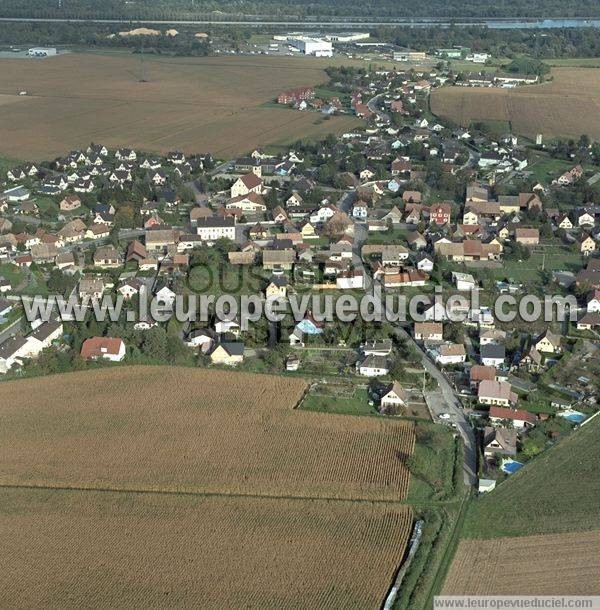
[511, 466]
[575, 417]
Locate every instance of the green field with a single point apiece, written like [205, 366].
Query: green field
[556, 492]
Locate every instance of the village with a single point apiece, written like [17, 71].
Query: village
[405, 203]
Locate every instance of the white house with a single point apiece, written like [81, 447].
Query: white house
[211, 229]
[374, 366]
[395, 396]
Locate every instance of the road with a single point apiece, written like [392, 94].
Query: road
[445, 400]
[372, 106]
[12, 329]
[506, 22]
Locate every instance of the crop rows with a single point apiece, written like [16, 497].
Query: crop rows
[553, 564]
[180, 429]
[96, 549]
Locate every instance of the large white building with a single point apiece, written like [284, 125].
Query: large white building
[211, 229]
[312, 46]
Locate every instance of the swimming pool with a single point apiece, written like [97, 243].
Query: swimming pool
[511, 466]
[575, 417]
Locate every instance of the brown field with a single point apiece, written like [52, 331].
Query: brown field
[550, 564]
[213, 104]
[180, 429]
[65, 549]
[568, 106]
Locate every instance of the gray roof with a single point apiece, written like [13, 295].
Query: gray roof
[493, 350]
[10, 346]
[44, 330]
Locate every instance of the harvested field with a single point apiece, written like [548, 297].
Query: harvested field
[568, 106]
[554, 564]
[180, 429]
[213, 104]
[69, 549]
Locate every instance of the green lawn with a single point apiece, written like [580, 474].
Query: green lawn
[557, 491]
[432, 464]
[545, 169]
[357, 405]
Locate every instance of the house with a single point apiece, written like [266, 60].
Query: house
[106, 256]
[278, 261]
[5, 285]
[198, 212]
[585, 219]
[589, 321]
[130, 287]
[228, 352]
[533, 360]
[350, 280]
[105, 348]
[593, 301]
[249, 183]
[44, 253]
[571, 176]
[520, 419]
[394, 397]
[374, 366]
[97, 231]
[73, 231]
[12, 351]
[424, 262]
[499, 441]
[394, 216]
[548, 343]
[44, 335]
[377, 348]
[587, 245]
[492, 354]
[16, 194]
[203, 338]
[251, 202]
[165, 296]
[527, 237]
[564, 222]
[69, 203]
[463, 281]
[136, 251]
[428, 331]
[411, 197]
[479, 373]
[360, 210]
[212, 229]
[440, 214]
[90, 288]
[451, 353]
[277, 288]
[496, 393]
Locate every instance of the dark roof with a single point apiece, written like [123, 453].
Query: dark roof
[216, 222]
[493, 350]
[10, 346]
[44, 330]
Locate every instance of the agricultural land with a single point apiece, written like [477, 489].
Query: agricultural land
[567, 106]
[539, 528]
[196, 477]
[219, 105]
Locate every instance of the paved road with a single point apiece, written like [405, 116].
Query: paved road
[445, 400]
[372, 106]
[12, 329]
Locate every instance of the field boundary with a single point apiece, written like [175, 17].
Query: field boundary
[207, 494]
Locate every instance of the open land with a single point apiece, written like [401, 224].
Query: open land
[537, 533]
[212, 104]
[164, 487]
[556, 492]
[177, 429]
[553, 564]
[73, 549]
[567, 106]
